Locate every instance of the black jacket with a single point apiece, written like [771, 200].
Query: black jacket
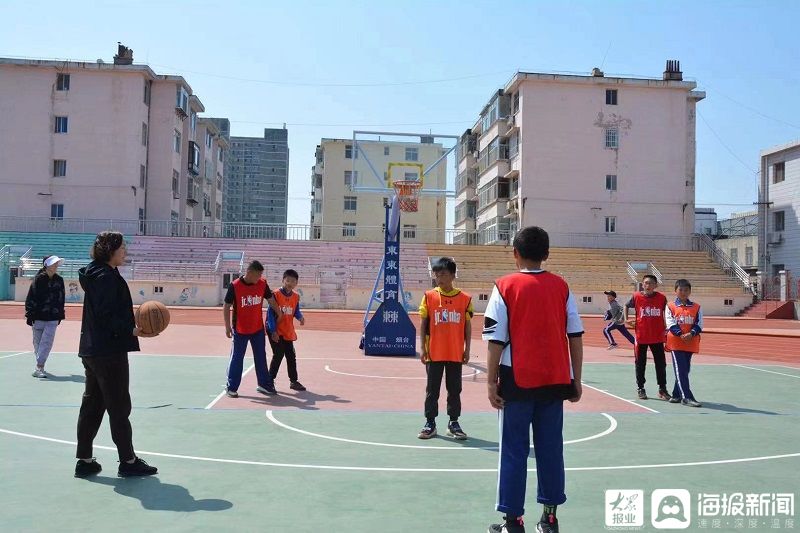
[45, 299]
[107, 327]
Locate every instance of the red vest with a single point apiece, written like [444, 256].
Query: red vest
[288, 305]
[537, 326]
[651, 326]
[447, 319]
[247, 310]
[686, 317]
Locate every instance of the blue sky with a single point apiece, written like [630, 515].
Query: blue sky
[326, 68]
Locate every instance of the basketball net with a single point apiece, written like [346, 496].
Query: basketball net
[407, 194]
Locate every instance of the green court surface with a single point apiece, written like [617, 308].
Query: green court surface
[330, 471]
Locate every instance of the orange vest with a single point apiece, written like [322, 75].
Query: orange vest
[288, 305]
[447, 319]
[685, 316]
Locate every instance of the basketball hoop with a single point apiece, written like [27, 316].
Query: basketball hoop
[407, 194]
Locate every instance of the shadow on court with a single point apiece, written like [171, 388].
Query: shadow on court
[157, 496]
[733, 409]
[306, 400]
[76, 378]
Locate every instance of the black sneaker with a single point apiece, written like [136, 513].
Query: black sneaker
[517, 526]
[641, 394]
[428, 431]
[454, 430]
[675, 399]
[137, 468]
[296, 385]
[84, 469]
[269, 390]
[664, 395]
[548, 524]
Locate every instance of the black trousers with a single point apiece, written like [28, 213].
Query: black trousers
[659, 359]
[107, 390]
[452, 372]
[281, 349]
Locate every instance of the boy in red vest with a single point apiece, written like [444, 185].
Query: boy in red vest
[685, 323]
[651, 328]
[246, 296]
[445, 329]
[534, 364]
[281, 332]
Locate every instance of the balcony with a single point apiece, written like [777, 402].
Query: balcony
[467, 180]
[194, 159]
[492, 156]
[466, 145]
[192, 193]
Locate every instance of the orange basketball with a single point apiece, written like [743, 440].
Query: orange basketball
[152, 317]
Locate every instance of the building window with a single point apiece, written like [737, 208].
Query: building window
[350, 203]
[158, 289]
[611, 224]
[586, 299]
[734, 253]
[219, 182]
[385, 150]
[611, 97]
[56, 211]
[348, 178]
[62, 82]
[348, 151]
[317, 207]
[144, 134]
[176, 141]
[349, 229]
[412, 154]
[218, 212]
[220, 155]
[612, 138]
[748, 255]
[176, 191]
[141, 220]
[409, 231]
[611, 182]
[728, 302]
[59, 168]
[778, 172]
[142, 176]
[193, 123]
[147, 92]
[779, 220]
[483, 297]
[62, 125]
[411, 176]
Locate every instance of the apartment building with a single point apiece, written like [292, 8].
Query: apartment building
[597, 161]
[779, 210]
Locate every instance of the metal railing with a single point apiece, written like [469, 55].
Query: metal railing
[706, 244]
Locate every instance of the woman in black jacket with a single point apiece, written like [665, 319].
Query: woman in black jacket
[108, 333]
[44, 310]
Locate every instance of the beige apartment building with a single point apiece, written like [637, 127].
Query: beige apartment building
[597, 161]
[340, 213]
[105, 141]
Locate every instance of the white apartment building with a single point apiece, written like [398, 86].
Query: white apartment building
[779, 210]
[597, 161]
[339, 213]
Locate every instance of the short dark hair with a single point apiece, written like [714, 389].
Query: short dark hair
[291, 273]
[651, 276]
[682, 283]
[444, 263]
[105, 244]
[532, 243]
[255, 266]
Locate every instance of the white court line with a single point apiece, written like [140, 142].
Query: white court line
[619, 398]
[271, 418]
[401, 469]
[769, 371]
[12, 355]
[221, 394]
[332, 371]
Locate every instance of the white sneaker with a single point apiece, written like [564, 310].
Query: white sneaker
[231, 393]
[39, 373]
[612, 347]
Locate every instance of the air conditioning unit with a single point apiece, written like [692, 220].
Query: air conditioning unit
[512, 205]
[476, 154]
[775, 237]
[511, 119]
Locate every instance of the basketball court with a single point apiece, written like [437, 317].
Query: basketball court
[343, 456]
